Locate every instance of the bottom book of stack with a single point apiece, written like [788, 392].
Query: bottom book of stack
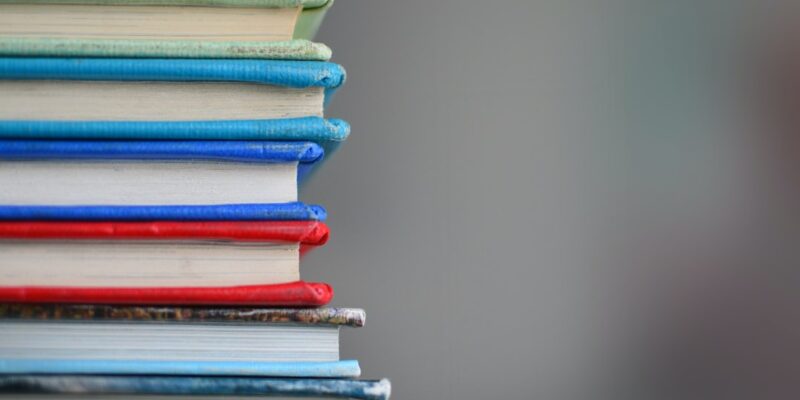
[184, 387]
[65, 350]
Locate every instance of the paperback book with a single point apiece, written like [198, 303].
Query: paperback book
[89, 339]
[170, 387]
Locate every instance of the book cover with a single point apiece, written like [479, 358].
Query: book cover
[308, 233]
[351, 317]
[298, 49]
[306, 154]
[315, 369]
[308, 22]
[306, 4]
[328, 133]
[295, 294]
[311, 18]
[200, 386]
[294, 211]
[293, 74]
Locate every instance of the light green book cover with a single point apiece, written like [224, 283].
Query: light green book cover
[311, 18]
[291, 50]
[306, 4]
[300, 48]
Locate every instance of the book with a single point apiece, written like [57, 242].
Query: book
[152, 173]
[137, 387]
[163, 28]
[102, 339]
[115, 258]
[292, 211]
[120, 89]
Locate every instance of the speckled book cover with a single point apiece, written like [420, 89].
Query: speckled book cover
[61, 312]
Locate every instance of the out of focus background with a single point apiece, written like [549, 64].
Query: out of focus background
[567, 199]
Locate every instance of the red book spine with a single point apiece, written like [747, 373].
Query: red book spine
[294, 294]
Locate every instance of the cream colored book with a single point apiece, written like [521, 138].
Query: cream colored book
[163, 28]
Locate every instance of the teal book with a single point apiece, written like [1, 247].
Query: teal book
[169, 99]
[265, 29]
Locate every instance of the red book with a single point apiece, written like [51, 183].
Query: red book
[88, 239]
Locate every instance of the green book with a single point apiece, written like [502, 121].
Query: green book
[266, 29]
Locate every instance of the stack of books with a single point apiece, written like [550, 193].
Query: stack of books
[150, 226]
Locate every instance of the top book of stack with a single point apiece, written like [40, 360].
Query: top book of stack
[265, 29]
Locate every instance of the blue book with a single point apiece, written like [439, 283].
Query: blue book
[152, 173]
[163, 99]
[194, 386]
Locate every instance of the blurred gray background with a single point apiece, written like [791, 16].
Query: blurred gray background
[553, 199]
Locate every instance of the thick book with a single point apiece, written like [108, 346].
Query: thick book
[152, 173]
[163, 90]
[89, 339]
[143, 387]
[163, 262]
[278, 29]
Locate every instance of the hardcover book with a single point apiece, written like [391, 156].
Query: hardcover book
[152, 173]
[123, 89]
[144, 387]
[163, 262]
[278, 29]
[87, 339]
